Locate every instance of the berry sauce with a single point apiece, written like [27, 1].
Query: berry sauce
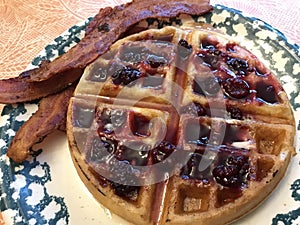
[231, 73]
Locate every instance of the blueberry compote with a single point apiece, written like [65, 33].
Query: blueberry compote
[141, 62]
[124, 176]
[198, 167]
[212, 60]
[119, 161]
[236, 88]
[126, 76]
[226, 165]
[232, 169]
[162, 151]
[238, 77]
[234, 113]
[141, 54]
[238, 66]
[167, 156]
[209, 54]
[129, 155]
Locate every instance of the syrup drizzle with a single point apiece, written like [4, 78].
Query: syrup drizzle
[158, 207]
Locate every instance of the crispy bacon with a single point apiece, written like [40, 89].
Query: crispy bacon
[18, 89]
[50, 116]
[108, 25]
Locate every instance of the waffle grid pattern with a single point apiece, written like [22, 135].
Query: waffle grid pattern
[180, 102]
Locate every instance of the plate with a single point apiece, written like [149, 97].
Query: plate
[47, 190]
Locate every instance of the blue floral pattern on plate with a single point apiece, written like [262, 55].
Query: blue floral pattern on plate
[28, 193]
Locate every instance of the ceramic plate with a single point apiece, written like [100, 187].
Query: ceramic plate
[47, 190]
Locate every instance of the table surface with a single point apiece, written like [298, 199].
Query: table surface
[27, 26]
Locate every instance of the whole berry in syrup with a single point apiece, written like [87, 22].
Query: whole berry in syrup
[209, 54]
[192, 169]
[194, 108]
[239, 66]
[126, 76]
[210, 60]
[233, 172]
[266, 92]
[241, 162]
[227, 175]
[126, 191]
[162, 151]
[211, 85]
[235, 113]
[236, 88]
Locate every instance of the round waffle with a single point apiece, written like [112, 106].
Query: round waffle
[180, 126]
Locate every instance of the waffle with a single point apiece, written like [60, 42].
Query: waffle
[180, 126]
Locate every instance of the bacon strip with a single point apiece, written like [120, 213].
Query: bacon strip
[50, 116]
[108, 25]
[18, 89]
[116, 20]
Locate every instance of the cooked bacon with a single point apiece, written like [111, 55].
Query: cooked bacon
[18, 89]
[50, 116]
[108, 25]
[116, 20]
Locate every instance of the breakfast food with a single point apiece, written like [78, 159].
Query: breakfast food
[21, 89]
[180, 126]
[51, 77]
[107, 27]
[42, 123]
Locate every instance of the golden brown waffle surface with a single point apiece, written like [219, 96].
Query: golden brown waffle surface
[180, 126]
